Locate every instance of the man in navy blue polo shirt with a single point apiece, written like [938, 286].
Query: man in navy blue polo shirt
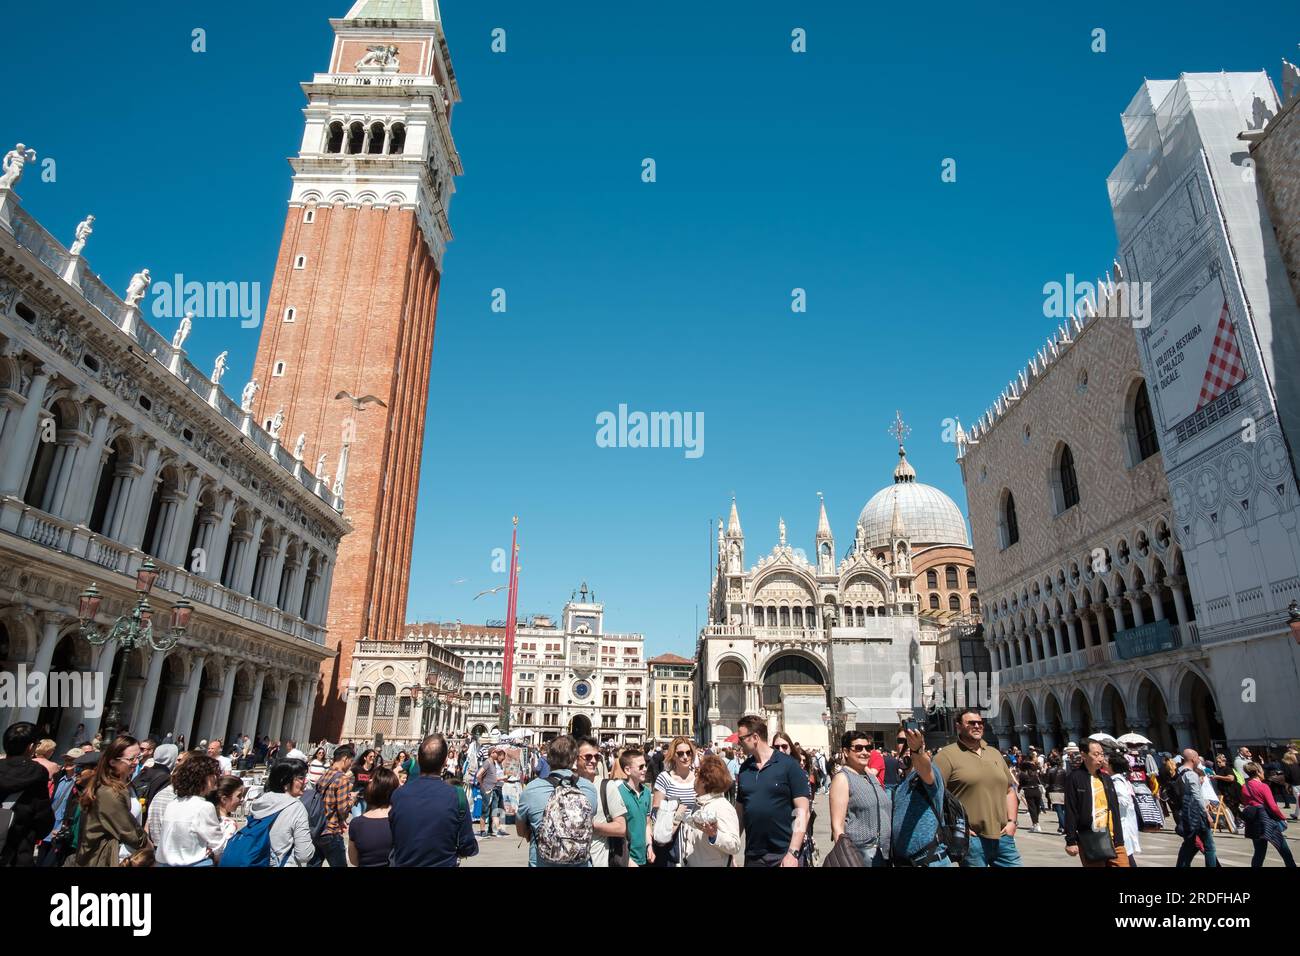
[772, 799]
[430, 817]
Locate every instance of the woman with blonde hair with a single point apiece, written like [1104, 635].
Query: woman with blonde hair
[44, 751]
[711, 835]
[675, 786]
[107, 822]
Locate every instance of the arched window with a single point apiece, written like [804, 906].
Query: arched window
[954, 602]
[397, 139]
[950, 577]
[970, 579]
[1068, 479]
[1009, 526]
[386, 700]
[1144, 424]
[932, 578]
[334, 138]
[974, 604]
[934, 602]
[376, 138]
[356, 138]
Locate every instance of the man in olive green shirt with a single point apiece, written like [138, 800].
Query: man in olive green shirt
[981, 781]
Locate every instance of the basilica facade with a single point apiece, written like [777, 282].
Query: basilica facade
[818, 645]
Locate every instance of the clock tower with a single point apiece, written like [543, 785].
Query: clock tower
[347, 343]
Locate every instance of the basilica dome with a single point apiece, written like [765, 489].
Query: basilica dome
[928, 515]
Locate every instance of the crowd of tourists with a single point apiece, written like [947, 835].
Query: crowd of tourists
[579, 803]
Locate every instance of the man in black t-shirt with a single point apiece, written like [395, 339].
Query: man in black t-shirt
[772, 799]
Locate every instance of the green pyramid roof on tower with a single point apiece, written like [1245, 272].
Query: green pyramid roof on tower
[394, 10]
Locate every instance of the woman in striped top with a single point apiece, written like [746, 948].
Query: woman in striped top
[316, 769]
[676, 782]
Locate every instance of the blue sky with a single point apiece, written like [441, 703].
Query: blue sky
[775, 170]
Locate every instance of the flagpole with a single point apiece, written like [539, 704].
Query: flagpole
[512, 604]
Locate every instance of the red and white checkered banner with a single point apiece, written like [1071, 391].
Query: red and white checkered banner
[1226, 367]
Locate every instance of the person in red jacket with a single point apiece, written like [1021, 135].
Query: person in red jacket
[1264, 821]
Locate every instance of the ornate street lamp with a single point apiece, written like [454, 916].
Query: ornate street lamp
[130, 631]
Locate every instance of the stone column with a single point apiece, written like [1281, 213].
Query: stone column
[1157, 604]
[49, 640]
[1135, 602]
[277, 715]
[1117, 613]
[1175, 585]
[19, 458]
[243, 580]
[149, 697]
[1049, 741]
[222, 716]
[1103, 630]
[1056, 637]
[1184, 725]
[142, 492]
[1072, 636]
[293, 603]
[177, 539]
[90, 460]
[254, 709]
[219, 539]
[104, 667]
[305, 696]
[1025, 731]
[271, 579]
[189, 701]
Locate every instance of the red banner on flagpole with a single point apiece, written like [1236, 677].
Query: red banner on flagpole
[512, 604]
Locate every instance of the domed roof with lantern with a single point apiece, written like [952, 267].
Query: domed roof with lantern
[929, 515]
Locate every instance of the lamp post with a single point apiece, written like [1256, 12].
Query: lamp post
[130, 631]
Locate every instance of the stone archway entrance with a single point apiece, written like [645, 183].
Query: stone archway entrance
[580, 726]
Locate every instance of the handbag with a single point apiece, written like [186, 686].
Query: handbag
[1096, 845]
[843, 853]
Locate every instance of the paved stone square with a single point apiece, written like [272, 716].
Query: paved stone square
[1037, 849]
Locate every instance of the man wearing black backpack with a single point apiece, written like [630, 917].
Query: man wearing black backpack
[25, 812]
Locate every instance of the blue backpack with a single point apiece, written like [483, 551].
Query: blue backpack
[251, 846]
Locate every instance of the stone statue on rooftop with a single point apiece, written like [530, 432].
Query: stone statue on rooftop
[139, 285]
[320, 466]
[298, 446]
[84, 229]
[277, 423]
[246, 398]
[183, 330]
[13, 164]
[219, 370]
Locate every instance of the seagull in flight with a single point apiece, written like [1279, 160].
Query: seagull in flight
[494, 590]
[359, 403]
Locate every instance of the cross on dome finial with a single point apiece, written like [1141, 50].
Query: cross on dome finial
[899, 429]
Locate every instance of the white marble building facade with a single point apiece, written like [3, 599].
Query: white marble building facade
[114, 448]
[577, 678]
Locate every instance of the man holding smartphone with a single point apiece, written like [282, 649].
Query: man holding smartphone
[979, 778]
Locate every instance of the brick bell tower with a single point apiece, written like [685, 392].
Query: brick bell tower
[354, 300]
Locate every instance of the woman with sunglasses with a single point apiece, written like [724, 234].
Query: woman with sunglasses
[675, 783]
[107, 819]
[861, 810]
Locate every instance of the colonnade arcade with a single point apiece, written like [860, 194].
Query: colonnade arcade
[193, 689]
[1171, 705]
[84, 466]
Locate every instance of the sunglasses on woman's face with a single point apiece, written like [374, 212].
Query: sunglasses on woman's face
[784, 748]
[683, 753]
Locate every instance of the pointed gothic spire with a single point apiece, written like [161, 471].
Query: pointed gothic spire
[823, 524]
[733, 523]
[897, 529]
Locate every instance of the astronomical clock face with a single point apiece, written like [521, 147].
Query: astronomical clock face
[581, 690]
